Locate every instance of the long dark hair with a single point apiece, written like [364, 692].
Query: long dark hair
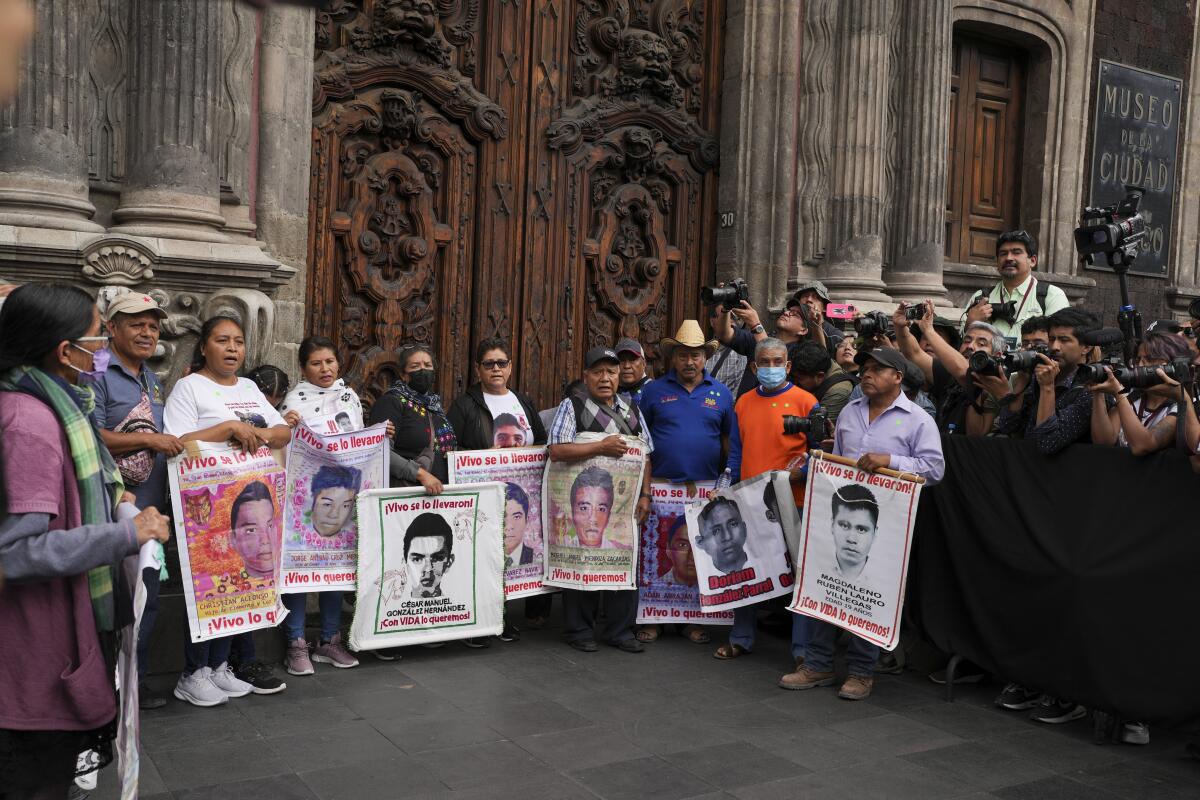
[206, 331]
[36, 317]
[312, 344]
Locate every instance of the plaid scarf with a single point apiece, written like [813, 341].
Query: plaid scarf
[97, 476]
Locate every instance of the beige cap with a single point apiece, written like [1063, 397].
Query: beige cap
[133, 303]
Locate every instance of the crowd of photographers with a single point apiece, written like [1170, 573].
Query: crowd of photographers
[1018, 361]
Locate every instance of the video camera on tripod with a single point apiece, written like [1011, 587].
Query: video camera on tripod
[1117, 232]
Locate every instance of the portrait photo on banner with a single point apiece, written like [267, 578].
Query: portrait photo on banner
[520, 469]
[739, 543]
[326, 473]
[854, 550]
[668, 586]
[430, 567]
[229, 522]
[592, 535]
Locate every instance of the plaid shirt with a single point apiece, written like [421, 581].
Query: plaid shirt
[562, 430]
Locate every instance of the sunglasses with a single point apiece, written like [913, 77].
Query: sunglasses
[497, 363]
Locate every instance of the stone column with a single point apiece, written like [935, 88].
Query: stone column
[919, 227]
[858, 185]
[43, 163]
[757, 191]
[172, 188]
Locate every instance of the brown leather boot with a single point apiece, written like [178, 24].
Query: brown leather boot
[856, 688]
[805, 678]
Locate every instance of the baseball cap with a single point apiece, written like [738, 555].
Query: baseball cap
[598, 354]
[815, 286]
[884, 355]
[630, 346]
[133, 303]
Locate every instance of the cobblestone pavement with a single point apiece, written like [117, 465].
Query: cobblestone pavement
[536, 719]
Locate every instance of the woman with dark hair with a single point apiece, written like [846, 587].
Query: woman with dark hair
[212, 404]
[321, 397]
[474, 413]
[272, 382]
[1144, 420]
[59, 544]
[423, 435]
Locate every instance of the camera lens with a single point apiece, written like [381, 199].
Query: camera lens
[1092, 373]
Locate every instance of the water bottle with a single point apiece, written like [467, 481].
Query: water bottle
[725, 481]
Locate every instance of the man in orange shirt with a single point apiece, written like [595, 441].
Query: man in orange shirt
[757, 445]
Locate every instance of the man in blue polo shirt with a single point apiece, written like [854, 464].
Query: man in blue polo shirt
[693, 412]
[129, 418]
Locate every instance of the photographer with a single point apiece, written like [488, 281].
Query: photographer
[815, 372]
[1053, 411]
[962, 405]
[1144, 420]
[1018, 296]
[791, 328]
[1035, 332]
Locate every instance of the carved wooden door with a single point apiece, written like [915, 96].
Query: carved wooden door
[538, 170]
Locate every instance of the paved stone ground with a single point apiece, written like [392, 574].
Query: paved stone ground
[536, 720]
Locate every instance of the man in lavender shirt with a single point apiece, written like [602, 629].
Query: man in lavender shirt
[883, 428]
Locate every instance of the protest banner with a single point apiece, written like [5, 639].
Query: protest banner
[325, 473]
[588, 514]
[739, 542]
[520, 469]
[430, 568]
[667, 584]
[228, 522]
[854, 548]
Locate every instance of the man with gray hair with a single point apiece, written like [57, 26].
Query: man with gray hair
[962, 405]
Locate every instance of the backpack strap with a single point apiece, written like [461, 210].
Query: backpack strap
[1041, 290]
[831, 381]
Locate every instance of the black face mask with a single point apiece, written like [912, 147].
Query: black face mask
[421, 381]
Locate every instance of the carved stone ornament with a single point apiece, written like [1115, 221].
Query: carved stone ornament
[405, 43]
[117, 262]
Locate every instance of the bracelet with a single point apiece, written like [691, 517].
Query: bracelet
[647, 495]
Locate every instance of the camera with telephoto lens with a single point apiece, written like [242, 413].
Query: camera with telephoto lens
[814, 426]
[1135, 377]
[873, 323]
[1115, 231]
[728, 296]
[983, 363]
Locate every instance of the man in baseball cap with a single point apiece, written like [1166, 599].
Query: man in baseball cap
[600, 409]
[133, 433]
[814, 295]
[633, 374]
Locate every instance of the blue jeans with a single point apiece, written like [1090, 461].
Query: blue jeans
[331, 614]
[861, 655]
[149, 614]
[212, 653]
[745, 624]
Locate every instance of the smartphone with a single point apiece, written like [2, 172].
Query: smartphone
[840, 311]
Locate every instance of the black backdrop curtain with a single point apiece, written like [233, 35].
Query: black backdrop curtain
[1076, 574]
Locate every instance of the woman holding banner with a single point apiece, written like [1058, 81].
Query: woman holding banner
[60, 611]
[320, 397]
[212, 404]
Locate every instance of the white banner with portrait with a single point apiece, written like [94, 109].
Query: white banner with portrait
[325, 474]
[852, 562]
[520, 469]
[739, 542]
[430, 568]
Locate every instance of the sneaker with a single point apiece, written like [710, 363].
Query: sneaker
[296, 661]
[149, 699]
[1016, 697]
[856, 687]
[477, 642]
[1053, 711]
[1135, 733]
[224, 679]
[805, 678]
[260, 676]
[511, 633]
[199, 689]
[334, 652]
[387, 653]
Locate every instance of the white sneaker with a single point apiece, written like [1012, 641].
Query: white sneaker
[199, 689]
[224, 679]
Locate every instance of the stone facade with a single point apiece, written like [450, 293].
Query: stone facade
[162, 146]
[837, 169]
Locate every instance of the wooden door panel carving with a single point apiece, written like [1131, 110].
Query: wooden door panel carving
[542, 170]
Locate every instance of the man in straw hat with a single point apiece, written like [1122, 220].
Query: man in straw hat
[690, 415]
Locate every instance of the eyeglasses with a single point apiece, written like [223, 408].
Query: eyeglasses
[496, 363]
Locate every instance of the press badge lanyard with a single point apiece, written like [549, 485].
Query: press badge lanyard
[1032, 289]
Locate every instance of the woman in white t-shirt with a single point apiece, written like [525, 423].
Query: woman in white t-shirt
[323, 402]
[212, 404]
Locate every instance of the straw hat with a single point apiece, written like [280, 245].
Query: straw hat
[690, 335]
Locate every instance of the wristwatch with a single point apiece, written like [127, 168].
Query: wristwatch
[757, 329]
